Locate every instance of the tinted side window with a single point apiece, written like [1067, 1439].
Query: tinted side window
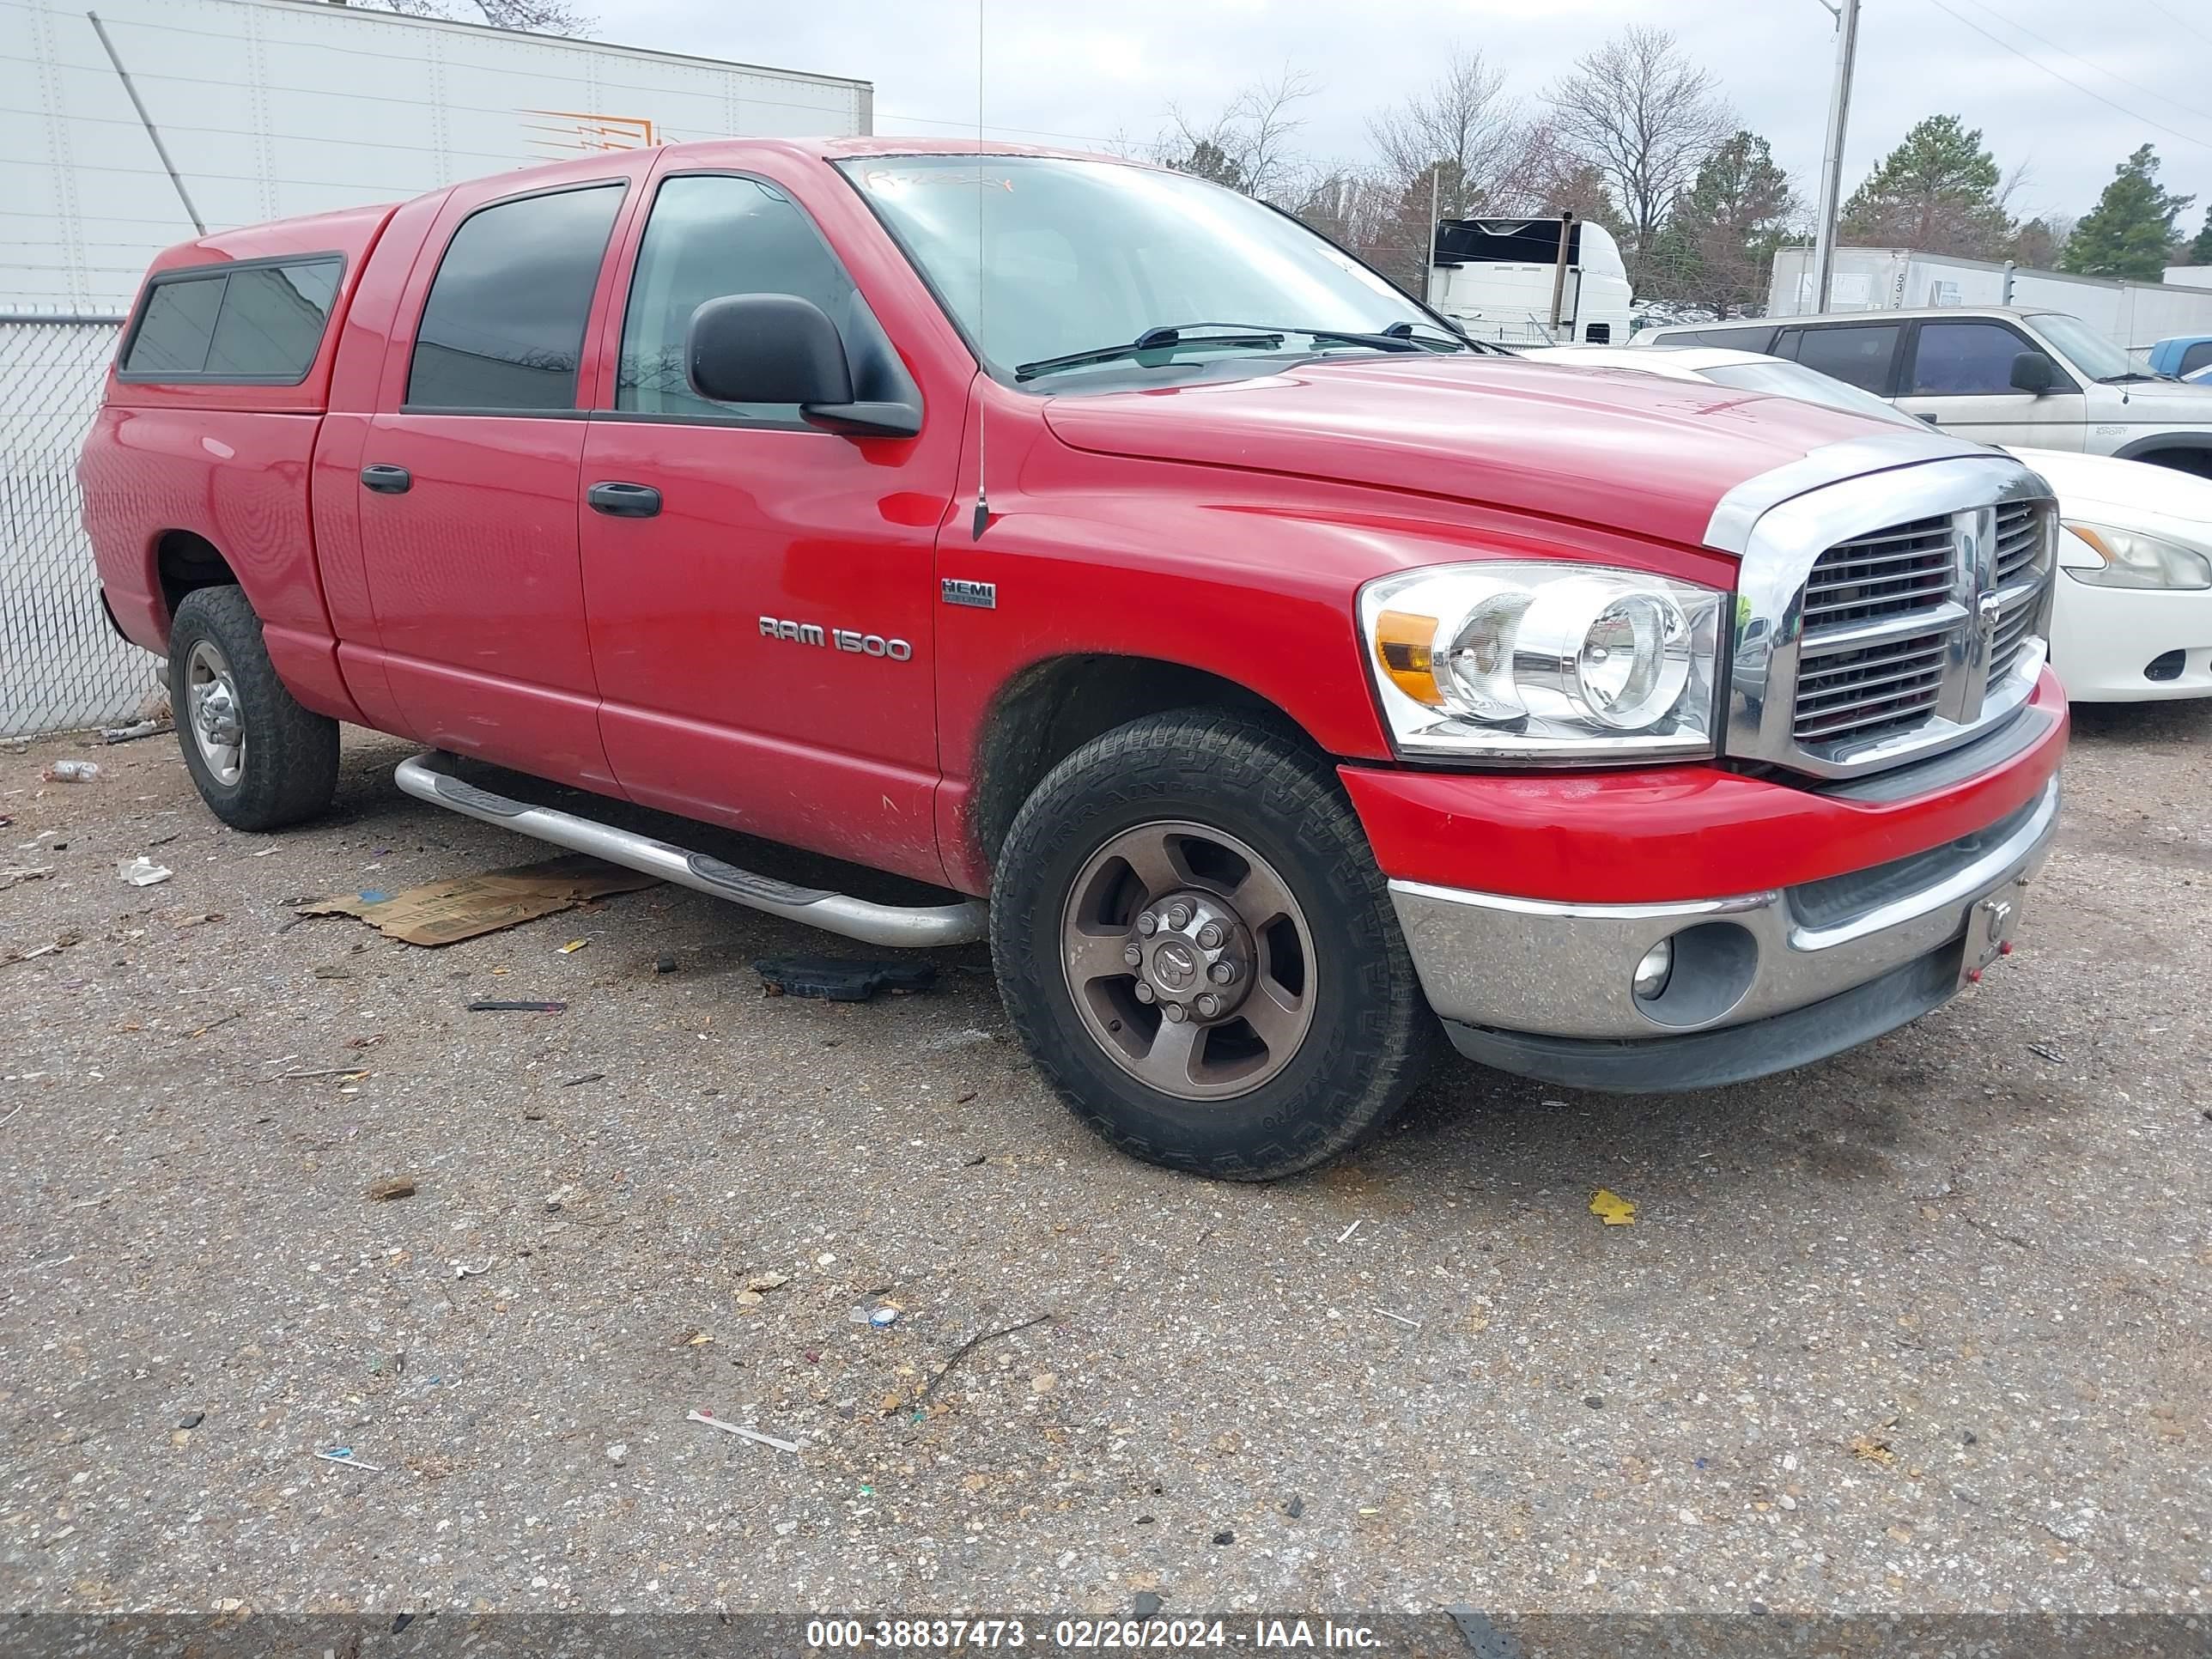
[504, 327]
[1857, 354]
[1965, 359]
[2197, 356]
[173, 336]
[708, 236]
[272, 319]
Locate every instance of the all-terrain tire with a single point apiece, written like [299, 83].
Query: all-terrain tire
[287, 767]
[1371, 1034]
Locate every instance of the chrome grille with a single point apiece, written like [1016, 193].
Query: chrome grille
[1892, 572]
[1891, 686]
[2017, 540]
[1890, 615]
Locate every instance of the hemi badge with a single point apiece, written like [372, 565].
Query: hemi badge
[980, 596]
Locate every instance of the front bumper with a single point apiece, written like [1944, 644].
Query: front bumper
[1760, 982]
[2104, 640]
[1801, 921]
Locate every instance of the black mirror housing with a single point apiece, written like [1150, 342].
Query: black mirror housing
[2032, 372]
[766, 349]
[779, 348]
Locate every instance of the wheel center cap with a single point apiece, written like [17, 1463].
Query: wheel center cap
[1174, 965]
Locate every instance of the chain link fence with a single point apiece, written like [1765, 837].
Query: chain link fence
[60, 665]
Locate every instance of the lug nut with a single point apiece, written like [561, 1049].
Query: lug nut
[1144, 991]
[1178, 916]
[1173, 1013]
[1209, 937]
[1222, 972]
[1208, 1004]
[1132, 955]
[1148, 924]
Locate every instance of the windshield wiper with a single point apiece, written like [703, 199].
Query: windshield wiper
[2128, 379]
[1168, 337]
[1449, 340]
[1255, 337]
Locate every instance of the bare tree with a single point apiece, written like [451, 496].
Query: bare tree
[538, 16]
[1639, 111]
[1249, 145]
[1463, 127]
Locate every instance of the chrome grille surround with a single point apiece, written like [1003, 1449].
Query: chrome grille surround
[1887, 615]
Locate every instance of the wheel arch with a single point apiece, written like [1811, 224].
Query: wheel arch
[185, 560]
[2185, 452]
[1052, 708]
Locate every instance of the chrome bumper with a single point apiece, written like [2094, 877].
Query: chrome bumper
[1565, 970]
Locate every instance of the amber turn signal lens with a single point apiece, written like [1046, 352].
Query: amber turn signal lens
[1404, 645]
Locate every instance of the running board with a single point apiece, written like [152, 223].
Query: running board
[428, 777]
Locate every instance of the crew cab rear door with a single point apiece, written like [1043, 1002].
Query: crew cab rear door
[468, 474]
[761, 592]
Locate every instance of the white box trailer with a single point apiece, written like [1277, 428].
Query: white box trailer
[268, 108]
[2136, 315]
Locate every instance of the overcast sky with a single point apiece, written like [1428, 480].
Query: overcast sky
[1092, 71]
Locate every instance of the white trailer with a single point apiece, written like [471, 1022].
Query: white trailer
[130, 119]
[2136, 315]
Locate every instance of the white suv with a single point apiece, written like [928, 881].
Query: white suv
[2040, 378]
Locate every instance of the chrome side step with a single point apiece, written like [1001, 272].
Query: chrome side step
[429, 777]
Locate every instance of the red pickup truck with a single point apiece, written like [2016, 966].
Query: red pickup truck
[1279, 680]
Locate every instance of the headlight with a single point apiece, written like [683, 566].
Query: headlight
[2132, 559]
[1527, 661]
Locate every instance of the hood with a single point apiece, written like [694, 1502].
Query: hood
[1618, 450]
[2157, 403]
[2132, 495]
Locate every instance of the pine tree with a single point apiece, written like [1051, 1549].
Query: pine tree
[1718, 244]
[1937, 192]
[2200, 251]
[2130, 233]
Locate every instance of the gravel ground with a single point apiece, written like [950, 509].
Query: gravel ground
[1923, 1328]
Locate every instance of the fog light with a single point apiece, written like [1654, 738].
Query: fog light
[1653, 972]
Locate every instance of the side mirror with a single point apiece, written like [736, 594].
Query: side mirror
[2034, 372]
[766, 349]
[779, 348]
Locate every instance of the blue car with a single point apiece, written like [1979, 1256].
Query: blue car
[2184, 357]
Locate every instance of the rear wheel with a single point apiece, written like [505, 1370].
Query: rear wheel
[261, 762]
[1196, 945]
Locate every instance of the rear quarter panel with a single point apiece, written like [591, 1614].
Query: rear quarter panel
[228, 463]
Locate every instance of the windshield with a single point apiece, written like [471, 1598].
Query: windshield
[2083, 346]
[1087, 254]
[1783, 379]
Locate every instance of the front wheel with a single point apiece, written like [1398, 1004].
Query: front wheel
[260, 760]
[1196, 945]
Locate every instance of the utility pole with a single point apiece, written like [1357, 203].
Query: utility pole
[1846, 14]
[1429, 254]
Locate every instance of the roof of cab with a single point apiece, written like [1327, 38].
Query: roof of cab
[351, 231]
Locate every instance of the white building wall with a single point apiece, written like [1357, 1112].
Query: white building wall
[275, 107]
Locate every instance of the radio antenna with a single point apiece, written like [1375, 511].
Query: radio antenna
[982, 287]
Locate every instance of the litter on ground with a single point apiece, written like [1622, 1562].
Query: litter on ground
[1612, 1208]
[463, 906]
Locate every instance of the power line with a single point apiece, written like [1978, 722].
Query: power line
[2133, 115]
[2157, 7]
[2133, 86]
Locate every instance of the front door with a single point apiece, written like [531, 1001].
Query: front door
[1959, 379]
[468, 482]
[761, 592]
